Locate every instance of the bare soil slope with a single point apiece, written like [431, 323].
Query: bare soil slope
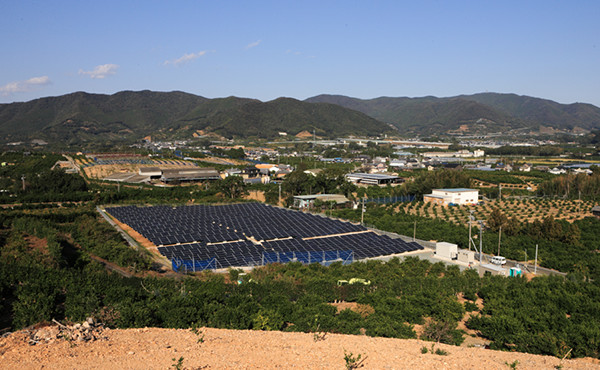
[152, 348]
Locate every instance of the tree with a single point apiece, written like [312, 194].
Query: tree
[298, 182]
[496, 220]
[232, 187]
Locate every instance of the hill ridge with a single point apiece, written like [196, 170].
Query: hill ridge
[81, 117]
[490, 111]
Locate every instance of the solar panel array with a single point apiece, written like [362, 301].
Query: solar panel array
[251, 234]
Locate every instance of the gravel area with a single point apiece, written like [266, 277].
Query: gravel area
[152, 348]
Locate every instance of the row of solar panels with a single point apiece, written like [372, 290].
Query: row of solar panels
[245, 253]
[165, 225]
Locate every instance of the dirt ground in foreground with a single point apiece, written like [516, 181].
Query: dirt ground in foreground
[152, 348]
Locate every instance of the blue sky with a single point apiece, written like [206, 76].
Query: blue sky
[267, 49]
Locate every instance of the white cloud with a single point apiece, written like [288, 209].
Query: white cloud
[185, 58]
[101, 71]
[253, 44]
[24, 86]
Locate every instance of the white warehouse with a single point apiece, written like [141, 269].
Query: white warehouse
[445, 197]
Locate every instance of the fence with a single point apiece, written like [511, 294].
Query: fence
[400, 198]
[181, 265]
[325, 258]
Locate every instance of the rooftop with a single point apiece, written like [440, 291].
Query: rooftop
[374, 176]
[457, 190]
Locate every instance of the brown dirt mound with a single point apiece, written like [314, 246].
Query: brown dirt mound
[152, 348]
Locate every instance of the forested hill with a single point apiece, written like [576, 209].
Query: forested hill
[81, 117]
[479, 113]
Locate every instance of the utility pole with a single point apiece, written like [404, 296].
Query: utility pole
[415, 232]
[470, 219]
[535, 268]
[362, 213]
[23, 181]
[499, 237]
[480, 241]
[279, 203]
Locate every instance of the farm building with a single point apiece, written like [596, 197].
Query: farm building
[152, 172]
[373, 179]
[192, 174]
[459, 196]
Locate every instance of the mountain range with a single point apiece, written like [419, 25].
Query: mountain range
[127, 116]
[478, 113]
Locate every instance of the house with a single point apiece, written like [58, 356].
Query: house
[313, 171]
[397, 163]
[557, 171]
[250, 173]
[586, 171]
[525, 168]
[504, 167]
[459, 196]
[596, 211]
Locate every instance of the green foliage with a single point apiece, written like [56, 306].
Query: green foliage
[441, 352]
[232, 187]
[177, 363]
[126, 116]
[442, 331]
[354, 361]
[572, 186]
[55, 277]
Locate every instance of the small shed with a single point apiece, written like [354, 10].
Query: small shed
[446, 250]
[466, 256]
[493, 269]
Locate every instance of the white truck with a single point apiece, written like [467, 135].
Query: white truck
[498, 260]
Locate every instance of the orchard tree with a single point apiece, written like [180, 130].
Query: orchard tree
[232, 187]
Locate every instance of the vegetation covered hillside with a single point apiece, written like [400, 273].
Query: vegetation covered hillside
[486, 112]
[81, 117]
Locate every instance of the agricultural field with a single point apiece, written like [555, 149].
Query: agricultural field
[526, 210]
[100, 171]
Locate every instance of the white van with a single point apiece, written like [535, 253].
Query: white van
[498, 260]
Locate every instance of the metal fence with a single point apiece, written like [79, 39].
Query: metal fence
[325, 258]
[400, 198]
[181, 265]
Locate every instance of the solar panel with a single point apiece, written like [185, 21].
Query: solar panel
[191, 231]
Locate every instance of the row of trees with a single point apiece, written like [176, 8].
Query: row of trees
[573, 186]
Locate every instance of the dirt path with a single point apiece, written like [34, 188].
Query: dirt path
[231, 349]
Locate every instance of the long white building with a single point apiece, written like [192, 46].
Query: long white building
[459, 196]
